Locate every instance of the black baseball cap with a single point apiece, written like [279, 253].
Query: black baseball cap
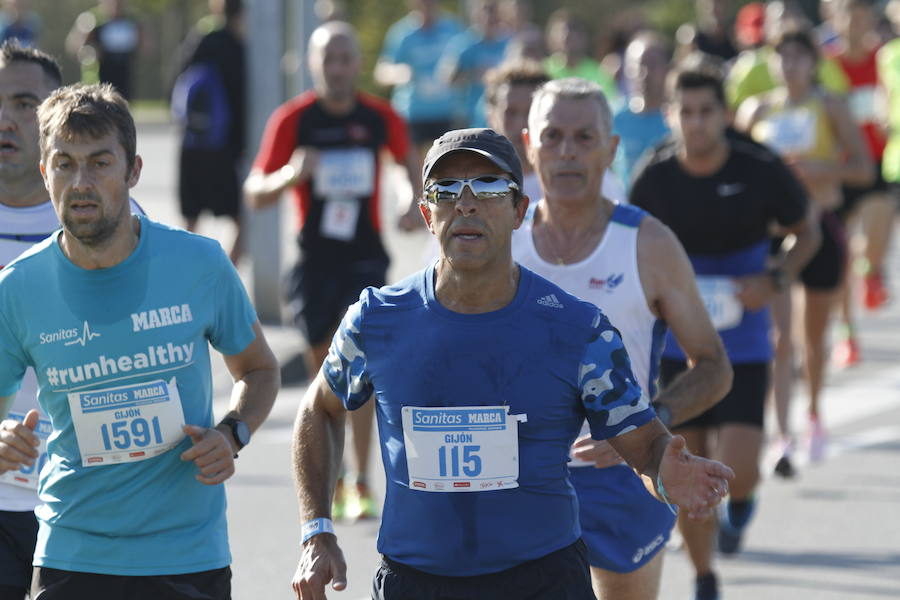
[485, 142]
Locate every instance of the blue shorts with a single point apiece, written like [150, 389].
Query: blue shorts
[623, 526]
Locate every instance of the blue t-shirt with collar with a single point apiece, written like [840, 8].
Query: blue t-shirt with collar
[426, 97]
[546, 355]
[149, 318]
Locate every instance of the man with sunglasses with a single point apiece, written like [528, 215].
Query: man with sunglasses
[482, 373]
[633, 268]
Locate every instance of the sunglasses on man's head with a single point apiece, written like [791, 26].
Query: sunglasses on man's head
[485, 187]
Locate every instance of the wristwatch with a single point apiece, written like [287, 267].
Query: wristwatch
[239, 431]
[780, 279]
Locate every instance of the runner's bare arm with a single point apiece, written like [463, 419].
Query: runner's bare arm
[673, 296]
[857, 168]
[808, 237]
[257, 378]
[758, 289]
[318, 445]
[264, 189]
[412, 218]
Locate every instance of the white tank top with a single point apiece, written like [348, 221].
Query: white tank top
[608, 278]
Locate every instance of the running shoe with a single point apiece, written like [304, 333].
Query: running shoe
[816, 441]
[784, 464]
[733, 520]
[707, 587]
[845, 353]
[729, 538]
[339, 503]
[875, 294]
[360, 504]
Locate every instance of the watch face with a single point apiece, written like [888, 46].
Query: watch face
[241, 433]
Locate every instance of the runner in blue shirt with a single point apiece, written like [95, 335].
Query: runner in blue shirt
[641, 124]
[115, 313]
[470, 55]
[409, 63]
[482, 373]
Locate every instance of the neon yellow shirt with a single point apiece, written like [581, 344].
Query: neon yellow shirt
[750, 75]
[889, 75]
[588, 69]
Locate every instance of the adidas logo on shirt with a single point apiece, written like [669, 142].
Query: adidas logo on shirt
[552, 301]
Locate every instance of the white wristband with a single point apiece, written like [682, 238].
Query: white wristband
[314, 527]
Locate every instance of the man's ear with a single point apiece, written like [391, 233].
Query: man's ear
[426, 214]
[521, 210]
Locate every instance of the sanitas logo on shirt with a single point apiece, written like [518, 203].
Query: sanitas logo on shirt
[161, 317]
[70, 337]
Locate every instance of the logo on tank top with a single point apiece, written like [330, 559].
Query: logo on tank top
[609, 284]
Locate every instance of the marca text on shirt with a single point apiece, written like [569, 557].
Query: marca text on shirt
[161, 317]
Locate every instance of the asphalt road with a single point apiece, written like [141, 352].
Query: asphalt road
[831, 534]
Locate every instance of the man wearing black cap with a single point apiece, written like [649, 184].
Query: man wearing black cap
[482, 373]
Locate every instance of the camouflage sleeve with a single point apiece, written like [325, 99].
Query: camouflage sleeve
[345, 367]
[612, 398]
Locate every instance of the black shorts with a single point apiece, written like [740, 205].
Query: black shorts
[853, 195]
[55, 584]
[425, 132]
[318, 294]
[825, 271]
[208, 180]
[561, 575]
[18, 534]
[744, 403]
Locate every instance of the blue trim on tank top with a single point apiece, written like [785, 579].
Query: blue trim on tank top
[657, 345]
[628, 215]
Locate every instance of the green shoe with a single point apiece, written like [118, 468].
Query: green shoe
[339, 504]
[360, 504]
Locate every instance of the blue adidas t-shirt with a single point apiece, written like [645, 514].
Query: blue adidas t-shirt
[547, 355]
[112, 349]
[426, 97]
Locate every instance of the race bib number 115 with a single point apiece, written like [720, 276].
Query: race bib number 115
[461, 449]
[128, 423]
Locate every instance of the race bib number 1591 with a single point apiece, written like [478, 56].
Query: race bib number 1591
[128, 423]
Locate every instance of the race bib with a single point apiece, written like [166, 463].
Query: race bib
[719, 296]
[128, 423]
[862, 104]
[461, 449]
[339, 217]
[346, 172]
[791, 132]
[27, 477]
